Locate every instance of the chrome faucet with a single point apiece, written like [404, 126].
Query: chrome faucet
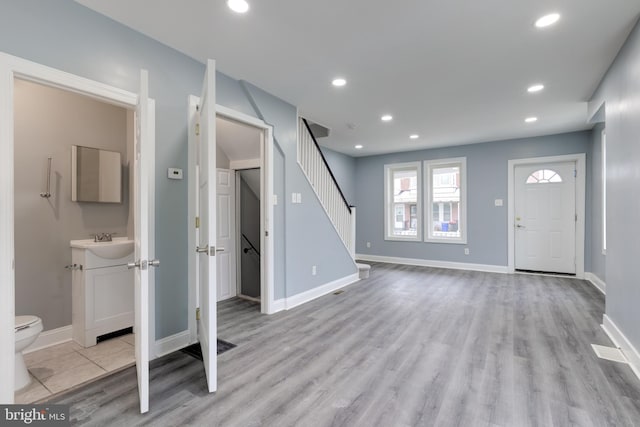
[103, 237]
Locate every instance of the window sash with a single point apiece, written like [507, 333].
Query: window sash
[402, 212]
[445, 219]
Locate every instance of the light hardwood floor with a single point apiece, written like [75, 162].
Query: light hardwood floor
[410, 346]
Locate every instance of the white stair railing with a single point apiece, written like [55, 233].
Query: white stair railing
[321, 178]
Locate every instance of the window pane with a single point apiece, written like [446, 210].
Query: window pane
[544, 176]
[445, 201]
[405, 200]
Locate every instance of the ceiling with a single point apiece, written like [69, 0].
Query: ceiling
[237, 140]
[454, 72]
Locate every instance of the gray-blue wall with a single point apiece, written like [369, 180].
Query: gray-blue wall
[310, 238]
[593, 252]
[620, 92]
[67, 36]
[486, 181]
[343, 168]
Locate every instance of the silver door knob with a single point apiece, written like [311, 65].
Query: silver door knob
[131, 265]
[219, 249]
[520, 226]
[202, 249]
[154, 263]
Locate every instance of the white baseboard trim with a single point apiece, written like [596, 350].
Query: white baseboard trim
[621, 341]
[301, 298]
[278, 305]
[172, 343]
[437, 264]
[50, 338]
[596, 281]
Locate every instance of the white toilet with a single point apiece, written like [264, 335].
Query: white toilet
[27, 330]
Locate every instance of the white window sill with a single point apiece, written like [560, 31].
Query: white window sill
[402, 239]
[449, 241]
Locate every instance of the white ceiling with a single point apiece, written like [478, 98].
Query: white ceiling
[237, 140]
[454, 72]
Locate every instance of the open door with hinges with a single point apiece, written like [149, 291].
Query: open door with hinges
[207, 236]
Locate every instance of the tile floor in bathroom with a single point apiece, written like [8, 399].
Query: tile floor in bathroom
[65, 366]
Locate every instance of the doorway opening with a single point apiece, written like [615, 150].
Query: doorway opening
[71, 182]
[15, 70]
[248, 234]
[243, 160]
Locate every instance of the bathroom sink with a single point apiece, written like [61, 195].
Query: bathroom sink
[120, 247]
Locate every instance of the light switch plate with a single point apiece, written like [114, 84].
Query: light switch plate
[499, 202]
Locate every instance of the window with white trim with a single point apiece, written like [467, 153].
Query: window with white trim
[445, 198]
[402, 193]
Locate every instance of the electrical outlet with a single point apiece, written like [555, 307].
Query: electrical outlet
[368, 244]
[314, 270]
[174, 173]
[466, 251]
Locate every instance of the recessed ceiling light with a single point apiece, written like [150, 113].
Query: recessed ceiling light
[535, 88]
[240, 6]
[414, 136]
[531, 119]
[547, 20]
[386, 118]
[358, 147]
[338, 82]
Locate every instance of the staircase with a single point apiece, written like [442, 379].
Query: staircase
[317, 171]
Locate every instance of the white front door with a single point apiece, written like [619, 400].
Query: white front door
[143, 175]
[207, 323]
[226, 235]
[545, 217]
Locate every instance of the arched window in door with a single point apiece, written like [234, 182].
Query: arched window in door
[544, 176]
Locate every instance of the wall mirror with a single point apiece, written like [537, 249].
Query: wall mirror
[96, 175]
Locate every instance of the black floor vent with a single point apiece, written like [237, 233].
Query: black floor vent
[115, 334]
[194, 350]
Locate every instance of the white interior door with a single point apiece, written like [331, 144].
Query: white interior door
[545, 217]
[207, 323]
[226, 235]
[143, 203]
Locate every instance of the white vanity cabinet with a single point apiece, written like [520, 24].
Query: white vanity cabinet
[103, 288]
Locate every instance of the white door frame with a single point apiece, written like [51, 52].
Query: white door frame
[12, 67]
[580, 160]
[266, 227]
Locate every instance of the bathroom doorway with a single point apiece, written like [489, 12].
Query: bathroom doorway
[71, 173]
[139, 110]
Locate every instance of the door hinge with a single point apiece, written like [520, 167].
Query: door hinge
[575, 173]
[197, 129]
[576, 218]
[266, 234]
[197, 222]
[198, 313]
